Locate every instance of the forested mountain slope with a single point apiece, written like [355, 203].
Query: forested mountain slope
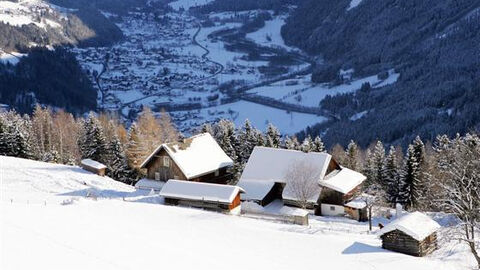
[433, 45]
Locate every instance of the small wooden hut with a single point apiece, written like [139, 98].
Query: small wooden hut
[217, 197]
[93, 166]
[413, 234]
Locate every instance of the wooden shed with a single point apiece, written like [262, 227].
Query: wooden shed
[217, 197]
[93, 166]
[413, 234]
[198, 158]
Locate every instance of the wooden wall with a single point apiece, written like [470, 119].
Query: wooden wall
[166, 173]
[398, 241]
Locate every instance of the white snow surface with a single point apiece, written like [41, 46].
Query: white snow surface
[356, 203]
[192, 159]
[180, 189]
[92, 163]
[416, 224]
[12, 58]
[100, 234]
[343, 180]
[148, 184]
[272, 30]
[269, 164]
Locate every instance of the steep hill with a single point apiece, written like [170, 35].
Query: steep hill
[434, 46]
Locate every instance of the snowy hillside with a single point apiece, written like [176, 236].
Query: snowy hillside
[117, 234]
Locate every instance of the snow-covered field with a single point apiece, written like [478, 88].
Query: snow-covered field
[139, 233]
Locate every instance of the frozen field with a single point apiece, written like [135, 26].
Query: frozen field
[110, 233]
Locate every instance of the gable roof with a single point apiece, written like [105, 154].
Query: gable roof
[416, 224]
[195, 156]
[271, 163]
[178, 189]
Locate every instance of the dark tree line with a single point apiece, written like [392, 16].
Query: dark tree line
[48, 77]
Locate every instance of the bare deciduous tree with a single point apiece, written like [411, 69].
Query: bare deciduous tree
[302, 183]
[459, 166]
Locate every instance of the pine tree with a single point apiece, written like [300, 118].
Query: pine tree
[409, 176]
[392, 177]
[307, 145]
[92, 142]
[247, 140]
[351, 160]
[318, 145]
[292, 143]
[118, 167]
[378, 157]
[413, 175]
[272, 137]
[207, 128]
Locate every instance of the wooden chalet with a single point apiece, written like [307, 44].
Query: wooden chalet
[264, 183]
[413, 234]
[198, 158]
[93, 166]
[217, 197]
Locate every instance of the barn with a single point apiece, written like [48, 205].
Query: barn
[93, 166]
[217, 197]
[198, 158]
[413, 234]
[333, 185]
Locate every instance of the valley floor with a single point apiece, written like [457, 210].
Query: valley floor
[60, 228]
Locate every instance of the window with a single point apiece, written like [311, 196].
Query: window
[166, 161]
[217, 173]
[157, 176]
[332, 208]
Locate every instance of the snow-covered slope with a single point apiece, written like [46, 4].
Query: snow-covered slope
[116, 234]
[37, 182]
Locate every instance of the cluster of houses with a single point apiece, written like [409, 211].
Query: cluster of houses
[195, 173]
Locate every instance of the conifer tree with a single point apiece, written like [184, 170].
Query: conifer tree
[292, 143]
[247, 140]
[351, 160]
[272, 137]
[392, 177]
[318, 145]
[92, 142]
[307, 145]
[413, 175]
[118, 167]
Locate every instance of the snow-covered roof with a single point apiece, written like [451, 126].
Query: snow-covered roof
[179, 189]
[269, 164]
[195, 156]
[416, 224]
[357, 203]
[255, 190]
[343, 180]
[93, 164]
[149, 184]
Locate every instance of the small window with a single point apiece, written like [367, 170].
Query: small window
[332, 208]
[217, 173]
[157, 176]
[166, 161]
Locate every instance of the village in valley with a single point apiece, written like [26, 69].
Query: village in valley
[199, 157]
